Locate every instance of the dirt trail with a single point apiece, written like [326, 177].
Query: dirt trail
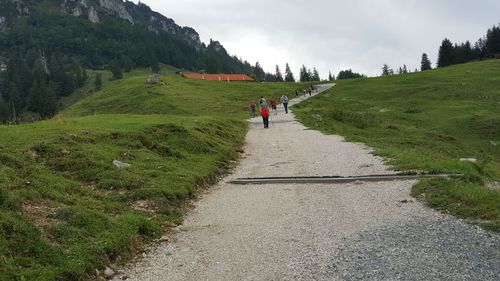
[357, 231]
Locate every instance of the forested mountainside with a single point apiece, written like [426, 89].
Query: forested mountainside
[46, 45]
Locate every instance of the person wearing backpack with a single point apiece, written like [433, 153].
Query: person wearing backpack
[273, 105]
[284, 101]
[253, 106]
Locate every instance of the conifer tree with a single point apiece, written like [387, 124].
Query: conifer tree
[43, 100]
[303, 74]
[405, 69]
[98, 82]
[331, 77]
[493, 40]
[446, 54]
[116, 70]
[425, 63]
[315, 75]
[85, 76]
[386, 70]
[288, 74]
[278, 75]
[259, 72]
[155, 65]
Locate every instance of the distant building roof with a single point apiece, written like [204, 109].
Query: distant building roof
[218, 77]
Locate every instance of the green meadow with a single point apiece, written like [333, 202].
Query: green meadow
[427, 122]
[67, 210]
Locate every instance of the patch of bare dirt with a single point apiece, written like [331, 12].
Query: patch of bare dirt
[42, 216]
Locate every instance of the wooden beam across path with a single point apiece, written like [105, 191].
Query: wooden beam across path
[335, 179]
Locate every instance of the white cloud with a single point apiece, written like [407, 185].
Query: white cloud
[333, 35]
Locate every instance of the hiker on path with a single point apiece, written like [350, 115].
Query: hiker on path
[273, 103]
[284, 101]
[253, 105]
[310, 91]
[296, 93]
[260, 100]
[264, 112]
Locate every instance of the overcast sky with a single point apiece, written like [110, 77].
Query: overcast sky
[332, 34]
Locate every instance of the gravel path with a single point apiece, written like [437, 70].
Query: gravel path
[356, 231]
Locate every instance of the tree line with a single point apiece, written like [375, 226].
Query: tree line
[305, 75]
[488, 46]
[451, 54]
[261, 76]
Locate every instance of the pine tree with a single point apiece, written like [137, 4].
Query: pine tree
[85, 75]
[315, 75]
[386, 70]
[259, 72]
[43, 100]
[269, 77]
[279, 76]
[78, 77]
[155, 65]
[446, 54]
[331, 77]
[309, 74]
[116, 70]
[98, 82]
[348, 74]
[493, 40]
[288, 74]
[303, 74]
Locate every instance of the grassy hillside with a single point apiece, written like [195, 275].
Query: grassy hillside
[427, 122]
[66, 210]
[178, 96]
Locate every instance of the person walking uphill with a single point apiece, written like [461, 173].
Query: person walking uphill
[273, 103]
[253, 106]
[284, 101]
[264, 112]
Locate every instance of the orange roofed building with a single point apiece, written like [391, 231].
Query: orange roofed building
[218, 77]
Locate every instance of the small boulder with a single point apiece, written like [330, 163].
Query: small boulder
[316, 117]
[120, 164]
[108, 272]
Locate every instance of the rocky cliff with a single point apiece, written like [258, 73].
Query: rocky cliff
[94, 10]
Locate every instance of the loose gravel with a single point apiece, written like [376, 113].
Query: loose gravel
[355, 231]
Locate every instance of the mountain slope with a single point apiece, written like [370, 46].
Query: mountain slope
[94, 10]
[46, 45]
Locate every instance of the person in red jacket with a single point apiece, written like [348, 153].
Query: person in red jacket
[264, 112]
[253, 105]
[272, 101]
